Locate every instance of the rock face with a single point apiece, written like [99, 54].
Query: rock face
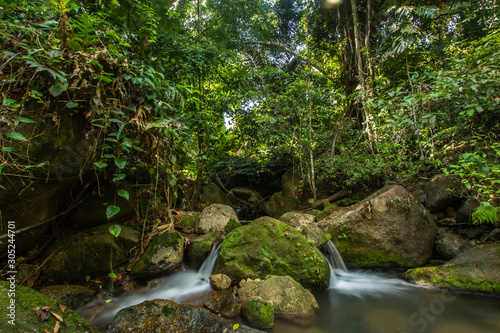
[90, 253]
[163, 254]
[278, 205]
[92, 212]
[25, 319]
[475, 270]
[167, 316]
[449, 245]
[216, 217]
[442, 191]
[288, 297]
[389, 229]
[71, 296]
[305, 223]
[270, 247]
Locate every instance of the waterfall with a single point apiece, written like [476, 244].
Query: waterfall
[176, 287]
[334, 258]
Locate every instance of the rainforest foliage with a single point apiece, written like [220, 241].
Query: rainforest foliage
[355, 92]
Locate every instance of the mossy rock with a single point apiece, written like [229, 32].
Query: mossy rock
[258, 312]
[89, 253]
[328, 209]
[278, 204]
[270, 247]
[475, 270]
[163, 254]
[199, 249]
[25, 318]
[189, 220]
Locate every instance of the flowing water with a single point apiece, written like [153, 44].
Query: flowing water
[356, 302]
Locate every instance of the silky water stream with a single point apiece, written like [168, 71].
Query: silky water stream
[356, 302]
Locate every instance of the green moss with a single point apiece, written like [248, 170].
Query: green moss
[190, 220]
[259, 314]
[167, 311]
[231, 225]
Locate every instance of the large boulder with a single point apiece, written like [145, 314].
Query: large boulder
[288, 297]
[270, 247]
[216, 217]
[161, 256]
[442, 191]
[90, 253]
[389, 229]
[450, 245]
[475, 270]
[278, 205]
[71, 296]
[212, 194]
[167, 316]
[258, 312]
[20, 317]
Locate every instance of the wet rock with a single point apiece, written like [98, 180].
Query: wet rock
[442, 191]
[216, 217]
[278, 205]
[270, 247]
[220, 281]
[258, 312]
[26, 320]
[90, 253]
[221, 302]
[475, 270]
[199, 249]
[71, 296]
[389, 229]
[290, 300]
[163, 254]
[450, 245]
[167, 316]
[92, 212]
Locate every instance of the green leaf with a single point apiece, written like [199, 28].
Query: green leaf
[100, 165]
[26, 120]
[10, 149]
[112, 275]
[235, 327]
[10, 103]
[123, 194]
[119, 176]
[112, 211]
[87, 278]
[71, 105]
[16, 136]
[56, 90]
[1, 167]
[115, 230]
[74, 45]
[120, 162]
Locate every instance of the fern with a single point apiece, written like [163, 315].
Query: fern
[486, 213]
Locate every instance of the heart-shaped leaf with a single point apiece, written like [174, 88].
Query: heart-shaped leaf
[112, 211]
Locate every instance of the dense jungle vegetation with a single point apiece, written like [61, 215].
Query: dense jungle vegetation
[353, 92]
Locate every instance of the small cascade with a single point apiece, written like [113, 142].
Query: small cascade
[176, 287]
[334, 258]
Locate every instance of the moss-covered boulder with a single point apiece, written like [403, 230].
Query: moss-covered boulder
[270, 247]
[188, 221]
[163, 254]
[89, 253]
[305, 223]
[258, 312]
[216, 217]
[278, 205]
[167, 316]
[475, 270]
[19, 317]
[290, 300]
[199, 249]
[389, 229]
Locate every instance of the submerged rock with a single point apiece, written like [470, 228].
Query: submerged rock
[24, 319]
[163, 254]
[216, 217]
[475, 270]
[270, 247]
[290, 300]
[90, 253]
[167, 316]
[389, 229]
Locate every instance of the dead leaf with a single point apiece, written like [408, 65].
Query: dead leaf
[37, 310]
[43, 316]
[58, 317]
[64, 309]
[46, 308]
[56, 328]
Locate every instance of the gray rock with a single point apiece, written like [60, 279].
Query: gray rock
[389, 229]
[305, 223]
[167, 316]
[278, 205]
[71, 296]
[216, 217]
[464, 213]
[449, 245]
[442, 191]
